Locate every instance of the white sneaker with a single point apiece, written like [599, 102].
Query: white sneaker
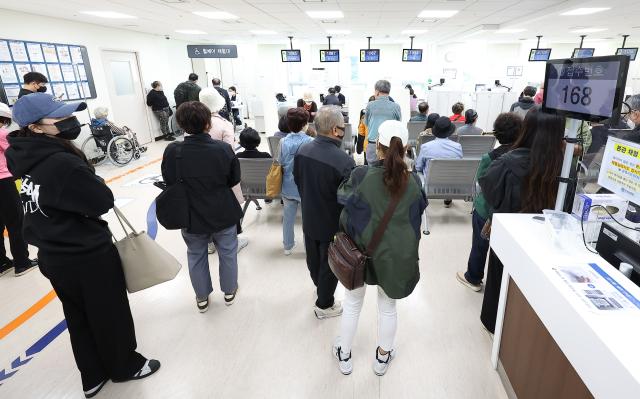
[242, 242]
[382, 362]
[334, 311]
[463, 280]
[289, 251]
[344, 361]
[211, 248]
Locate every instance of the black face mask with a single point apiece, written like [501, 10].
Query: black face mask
[42, 89]
[69, 128]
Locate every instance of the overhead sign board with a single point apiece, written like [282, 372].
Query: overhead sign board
[212, 51]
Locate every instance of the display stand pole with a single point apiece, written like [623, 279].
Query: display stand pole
[572, 134]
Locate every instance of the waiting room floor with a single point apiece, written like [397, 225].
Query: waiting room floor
[269, 343]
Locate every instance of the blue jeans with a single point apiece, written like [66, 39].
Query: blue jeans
[479, 250]
[289, 221]
[226, 242]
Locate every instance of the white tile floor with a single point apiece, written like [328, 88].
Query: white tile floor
[268, 344]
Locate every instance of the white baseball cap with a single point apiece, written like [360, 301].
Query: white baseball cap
[392, 128]
[5, 111]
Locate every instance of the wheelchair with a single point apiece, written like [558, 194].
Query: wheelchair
[104, 144]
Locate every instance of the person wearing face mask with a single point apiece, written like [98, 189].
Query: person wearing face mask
[318, 169]
[633, 119]
[34, 82]
[63, 200]
[309, 105]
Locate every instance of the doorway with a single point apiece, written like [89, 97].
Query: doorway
[128, 106]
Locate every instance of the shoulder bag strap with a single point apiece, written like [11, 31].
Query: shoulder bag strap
[377, 235]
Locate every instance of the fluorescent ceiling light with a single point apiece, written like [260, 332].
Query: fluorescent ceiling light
[413, 31]
[264, 32]
[325, 14]
[589, 30]
[510, 30]
[437, 13]
[586, 11]
[108, 14]
[215, 14]
[338, 32]
[191, 32]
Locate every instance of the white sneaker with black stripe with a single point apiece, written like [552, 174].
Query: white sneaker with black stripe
[344, 360]
[382, 362]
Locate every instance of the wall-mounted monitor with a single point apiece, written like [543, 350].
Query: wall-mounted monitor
[290, 55]
[583, 52]
[329, 55]
[412, 55]
[540, 54]
[370, 55]
[630, 52]
[589, 89]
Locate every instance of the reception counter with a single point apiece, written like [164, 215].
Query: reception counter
[548, 342]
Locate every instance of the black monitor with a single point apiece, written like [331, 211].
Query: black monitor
[329, 55]
[589, 89]
[291, 55]
[583, 52]
[616, 247]
[412, 55]
[370, 55]
[630, 52]
[540, 54]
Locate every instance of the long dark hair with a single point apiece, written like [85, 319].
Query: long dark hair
[395, 170]
[543, 134]
[68, 145]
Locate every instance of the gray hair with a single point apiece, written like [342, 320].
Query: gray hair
[101, 112]
[383, 86]
[327, 118]
[634, 102]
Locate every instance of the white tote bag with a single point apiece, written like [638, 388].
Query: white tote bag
[144, 262]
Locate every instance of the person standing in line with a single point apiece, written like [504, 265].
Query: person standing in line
[225, 111]
[539, 97]
[413, 100]
[525, 102]
[64, 200]
[210, 169]
[160, 107]
[297, 119]
[341, 97]
[524, 180]
[187, 91]
[469, 128]
[34, 82]
[378, 111]
[319, 168]
[235, 105]
[393, 266]
[506, 128]
[11, 212]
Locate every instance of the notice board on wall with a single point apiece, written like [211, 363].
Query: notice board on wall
[66, 66]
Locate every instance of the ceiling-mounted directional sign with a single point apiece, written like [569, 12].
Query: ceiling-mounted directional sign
[212, 51]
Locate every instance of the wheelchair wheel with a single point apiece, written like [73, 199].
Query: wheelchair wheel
[120, 150]
[94, 154]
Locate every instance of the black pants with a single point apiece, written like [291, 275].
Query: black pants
[321, 274]
[492, 286]
[96, 307]
[11, 217]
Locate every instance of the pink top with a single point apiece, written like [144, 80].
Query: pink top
[538, 97]
[222, 129]
[4, 144]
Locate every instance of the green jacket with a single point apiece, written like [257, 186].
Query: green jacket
[394, 264]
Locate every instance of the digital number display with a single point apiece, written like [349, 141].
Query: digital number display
[540, 54]
[291, 55]
[412, 55]
[329, 55]
[588, 90]
[370, 55]
[630, 52]
[583, 52]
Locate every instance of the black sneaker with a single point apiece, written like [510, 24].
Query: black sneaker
[95, 390]
[150, 367]
[203, 305]
[169, 138]
[230, 298]
[6, 265]
[19, 271]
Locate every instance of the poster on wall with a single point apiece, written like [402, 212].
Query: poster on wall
[42, 68]
[63, 54]
[620, 170]
[5, 54]
[12, 93]
[18, 51]
[76, 54]
[72, 91]
[8, 73]
[68, 73]
[35, 52]
[55, 74]
[22, 69]
[59, 91]
[50, 54]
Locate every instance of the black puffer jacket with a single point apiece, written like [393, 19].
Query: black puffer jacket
[503, 181]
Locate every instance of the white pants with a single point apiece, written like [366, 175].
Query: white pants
[387, 319]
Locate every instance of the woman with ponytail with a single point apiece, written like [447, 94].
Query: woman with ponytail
[393, 265]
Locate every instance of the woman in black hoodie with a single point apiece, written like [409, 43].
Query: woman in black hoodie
[524, 180]
[63, 200]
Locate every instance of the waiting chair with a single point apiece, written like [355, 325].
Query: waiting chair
[415, 128]
[476, 146]
[274, 146]
[254, 180]
[422, 140]
[450, 179]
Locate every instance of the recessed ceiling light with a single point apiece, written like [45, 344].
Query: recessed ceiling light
[510, 30]
[437, 13]
[108, 14]
[264, 32]
[586, 10]
[191, 32]
[325, 14]
[338, 32]
[413, 31]
[589, 30]
[215, 14]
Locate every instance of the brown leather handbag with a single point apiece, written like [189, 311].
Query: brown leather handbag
[347, 261]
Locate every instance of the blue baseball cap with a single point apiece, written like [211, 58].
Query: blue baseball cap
[33, 107]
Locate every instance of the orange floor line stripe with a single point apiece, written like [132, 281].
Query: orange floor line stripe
[44, 301]
[35, 308]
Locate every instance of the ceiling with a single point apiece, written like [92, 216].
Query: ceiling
[384, 20]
